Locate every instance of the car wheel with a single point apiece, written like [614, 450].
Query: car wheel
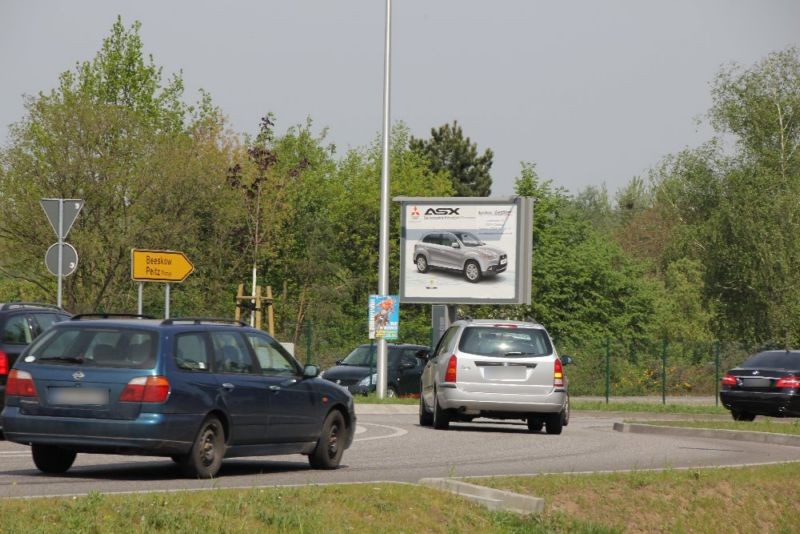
[739, 415]
[51, 459]
[535, 423]
[328, 452]
[208, 449]
[425, 417]
[472, 271]
[422, 264]
[391, 393]
[554, 423]
[441, 419]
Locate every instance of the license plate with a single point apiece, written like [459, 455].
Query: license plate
[78, 396]
[503, 261]
[756, 382]
[512, 372]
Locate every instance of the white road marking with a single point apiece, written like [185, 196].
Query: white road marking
[397, 432]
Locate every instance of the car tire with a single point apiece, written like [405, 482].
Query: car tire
[205, 457]
[441, 419]
[565, 413]
[422, 264]
[740, 415]
[391, 393]
[554, 423]
[472, 271]
[535, 423]
[51, 459]
[328, 452]
[425, 417]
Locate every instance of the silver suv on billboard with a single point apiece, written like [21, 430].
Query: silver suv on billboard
[459, 251]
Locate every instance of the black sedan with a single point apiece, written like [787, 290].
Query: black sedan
[767, 383]
[357, 372]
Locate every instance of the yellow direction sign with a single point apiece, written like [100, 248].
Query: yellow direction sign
[159, 266]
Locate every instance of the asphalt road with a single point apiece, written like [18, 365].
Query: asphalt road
[393, 447]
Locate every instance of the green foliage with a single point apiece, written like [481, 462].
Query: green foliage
[111, 134]
[449, 151]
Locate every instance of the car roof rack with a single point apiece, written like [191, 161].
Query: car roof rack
[203, 320]
[14, 305]
[82, 316]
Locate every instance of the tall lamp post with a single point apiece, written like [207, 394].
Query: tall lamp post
[383, 252]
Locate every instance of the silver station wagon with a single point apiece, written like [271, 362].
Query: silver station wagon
[495, 369]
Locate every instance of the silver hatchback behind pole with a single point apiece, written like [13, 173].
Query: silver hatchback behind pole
[495, 369]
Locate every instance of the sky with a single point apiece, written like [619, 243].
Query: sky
[593, 92]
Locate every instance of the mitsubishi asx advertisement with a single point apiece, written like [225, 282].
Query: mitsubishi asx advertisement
[465, 250]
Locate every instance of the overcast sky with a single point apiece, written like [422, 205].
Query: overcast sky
[591, 91]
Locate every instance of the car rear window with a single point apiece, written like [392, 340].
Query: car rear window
[96, 347]
[504, 341]
[774, 360]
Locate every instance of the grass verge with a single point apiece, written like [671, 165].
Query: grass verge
[747, 499]
[779, 426]
[645, 407]
[341, 508]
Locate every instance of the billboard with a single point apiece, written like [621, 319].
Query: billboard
[465, 250]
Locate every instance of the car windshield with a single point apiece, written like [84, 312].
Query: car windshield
[361, 356]
[469, 240]
[96, 347]
[777, 359]
[504, 341]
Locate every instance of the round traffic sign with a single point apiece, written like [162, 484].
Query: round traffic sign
[69, 259]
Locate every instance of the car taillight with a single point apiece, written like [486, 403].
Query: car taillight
[728, 380]
[20, 384]
[450, 374]
[558, 374]
[788, 382]
[146, 389]
[3, 363]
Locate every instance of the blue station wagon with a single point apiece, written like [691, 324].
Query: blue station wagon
[195, 390]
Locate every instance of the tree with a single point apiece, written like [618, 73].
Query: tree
[736, 211]
[115, 135]
[448, 150]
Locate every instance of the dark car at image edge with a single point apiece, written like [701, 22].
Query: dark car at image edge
[21, 323]
[767, 383]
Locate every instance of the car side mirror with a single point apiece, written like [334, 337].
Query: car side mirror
[339, 362]
[423, 354]
[310, 371]
[566, 360]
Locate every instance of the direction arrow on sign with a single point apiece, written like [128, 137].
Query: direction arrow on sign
[159, 266]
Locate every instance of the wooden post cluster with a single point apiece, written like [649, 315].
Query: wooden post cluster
[256, 303]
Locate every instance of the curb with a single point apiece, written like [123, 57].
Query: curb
[734, 435]
[493, 499]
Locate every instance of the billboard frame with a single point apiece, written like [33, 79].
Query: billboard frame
[523, 252]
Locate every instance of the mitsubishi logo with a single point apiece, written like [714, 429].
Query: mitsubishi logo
[77, 375]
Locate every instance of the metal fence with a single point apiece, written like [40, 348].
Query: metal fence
[608, 367]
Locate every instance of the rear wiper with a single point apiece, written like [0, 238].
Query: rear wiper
[71, 359]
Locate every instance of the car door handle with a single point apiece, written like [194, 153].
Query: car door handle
[275, 388]
[227, 386]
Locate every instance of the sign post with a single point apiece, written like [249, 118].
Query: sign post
[159, 266]
[61, 258]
